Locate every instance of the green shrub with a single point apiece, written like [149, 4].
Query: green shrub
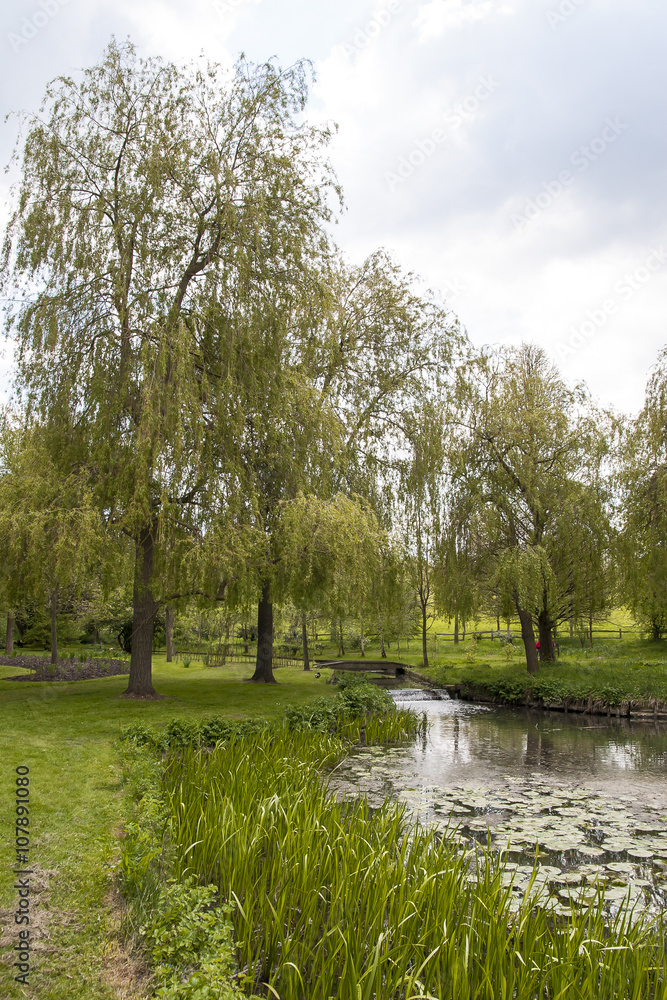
[320, 716]
[190, 940]
[359, 697]
[182, 733]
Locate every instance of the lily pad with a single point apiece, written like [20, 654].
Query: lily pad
[621, 867]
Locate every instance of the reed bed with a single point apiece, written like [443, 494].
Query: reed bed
[334, 900]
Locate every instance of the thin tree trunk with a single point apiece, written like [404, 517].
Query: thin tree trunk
[144, 609]
[96, 636]
[424, 649]
[342, 641]
[169, 632]
[361, 636]
[546, 637]
[264, 662]
[54, 622]
[590, 630]
[528, 637]
[304, 640]
[456, 629]
[9, 641]
[382, 649]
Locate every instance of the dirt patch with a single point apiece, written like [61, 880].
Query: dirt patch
[124, 969]
[40, 917]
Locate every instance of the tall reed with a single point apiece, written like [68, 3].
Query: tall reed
[332, 900]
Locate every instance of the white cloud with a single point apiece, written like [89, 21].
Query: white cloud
[391, 85]
[436, 17]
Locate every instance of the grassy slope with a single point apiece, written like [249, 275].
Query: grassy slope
[613, 670]
[64, 732]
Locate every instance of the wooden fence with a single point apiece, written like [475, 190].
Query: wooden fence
[217, 658]
[515, 632]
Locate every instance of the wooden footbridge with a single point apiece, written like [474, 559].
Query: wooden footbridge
[382, 668]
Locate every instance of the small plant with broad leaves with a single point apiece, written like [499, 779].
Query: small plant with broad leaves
[190, 940]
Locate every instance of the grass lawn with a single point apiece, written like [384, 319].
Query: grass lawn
[64, 733]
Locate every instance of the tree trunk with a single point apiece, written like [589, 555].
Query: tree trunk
[590, 630]
[96, 636]
[528, 637]
[169, 632]
[456, 629]
[54, 621]
[9, 641]
[361, 636]
[382, 649]
[304, 640]
[546, 637]
[424, 649]
[144, 609]
[342, 641]
[264, 662]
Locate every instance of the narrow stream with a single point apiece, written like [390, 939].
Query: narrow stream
[585, 795]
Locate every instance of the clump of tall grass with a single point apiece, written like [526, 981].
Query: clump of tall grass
[333, 900]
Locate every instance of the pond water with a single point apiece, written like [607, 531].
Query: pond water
[582, 799]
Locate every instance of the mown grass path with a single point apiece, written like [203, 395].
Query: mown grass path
[64, 732]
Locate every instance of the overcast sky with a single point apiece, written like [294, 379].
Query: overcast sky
[512, 152]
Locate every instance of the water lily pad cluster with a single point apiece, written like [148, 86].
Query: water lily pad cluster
[565, 844]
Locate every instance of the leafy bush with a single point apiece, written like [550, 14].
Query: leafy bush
[359, 697]
[180, 733]
[355, 699]
[320, 716]
[190, 939]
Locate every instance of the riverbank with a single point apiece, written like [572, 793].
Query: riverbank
[375, 905]
[622, 678]
[645, 709]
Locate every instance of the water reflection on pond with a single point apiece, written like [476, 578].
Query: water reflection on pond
[587, 795]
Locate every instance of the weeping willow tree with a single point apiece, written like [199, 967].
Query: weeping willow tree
[643, 481]
[530, 457]
[330, 553]
[421, 509]
[148, 193]
[322, 377]
[51, 531]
